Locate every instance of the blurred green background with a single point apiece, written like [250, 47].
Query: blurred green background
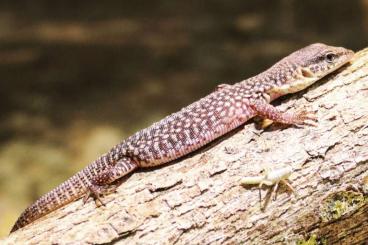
[76, 77]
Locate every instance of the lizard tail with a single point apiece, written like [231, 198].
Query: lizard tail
[68, 191]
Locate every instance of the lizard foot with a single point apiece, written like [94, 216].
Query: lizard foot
[97, 191]
[306, 117]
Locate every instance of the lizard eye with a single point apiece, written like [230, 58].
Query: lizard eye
[330, 57]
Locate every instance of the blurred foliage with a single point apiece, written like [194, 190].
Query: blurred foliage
[77, 77]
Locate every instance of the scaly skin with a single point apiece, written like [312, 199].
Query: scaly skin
[198, 124]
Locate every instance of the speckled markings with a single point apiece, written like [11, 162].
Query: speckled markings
[198, 124]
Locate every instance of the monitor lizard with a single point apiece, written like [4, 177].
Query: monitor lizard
[187, 130]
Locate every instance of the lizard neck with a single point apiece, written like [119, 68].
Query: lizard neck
[265, 85]
[261, 87]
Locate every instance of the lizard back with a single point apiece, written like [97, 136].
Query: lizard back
[190, 128]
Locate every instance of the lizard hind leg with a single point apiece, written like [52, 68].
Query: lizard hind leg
[101, 183]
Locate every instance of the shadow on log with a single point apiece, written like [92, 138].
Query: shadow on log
[198, 200]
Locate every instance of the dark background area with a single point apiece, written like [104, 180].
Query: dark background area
[76, 77]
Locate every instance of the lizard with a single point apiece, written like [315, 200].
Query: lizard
[194, 126]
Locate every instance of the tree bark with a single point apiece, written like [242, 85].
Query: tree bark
[198, 199]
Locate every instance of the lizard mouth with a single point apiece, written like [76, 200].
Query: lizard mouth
[345, 58]
[306, 77]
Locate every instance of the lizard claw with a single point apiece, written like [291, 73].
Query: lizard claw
[306, 117]
[97, 192]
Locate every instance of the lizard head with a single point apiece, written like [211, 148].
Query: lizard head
[306, 66]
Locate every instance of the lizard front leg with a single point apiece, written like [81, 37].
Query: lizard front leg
[100, 184]
[268, 111]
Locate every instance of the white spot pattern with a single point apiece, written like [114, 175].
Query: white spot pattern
[190, 128]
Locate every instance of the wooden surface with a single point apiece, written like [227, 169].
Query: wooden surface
[198, 200]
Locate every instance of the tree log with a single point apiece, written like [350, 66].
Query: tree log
[198, 199]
